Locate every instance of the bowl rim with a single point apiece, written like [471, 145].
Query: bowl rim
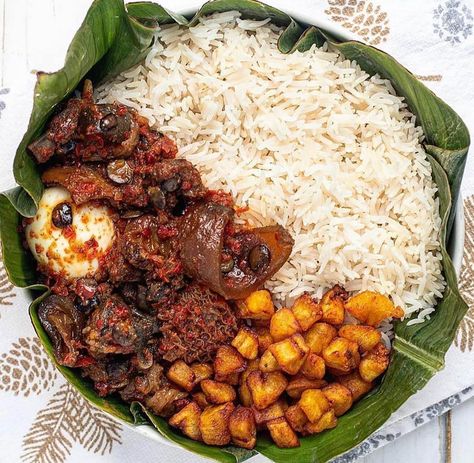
[456, 242]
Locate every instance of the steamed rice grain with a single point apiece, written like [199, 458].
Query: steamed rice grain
[308, 140]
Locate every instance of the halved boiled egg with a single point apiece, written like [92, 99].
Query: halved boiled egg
[69, 239]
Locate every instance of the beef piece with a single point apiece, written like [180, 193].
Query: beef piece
[141, 244]
[154, 390]
[89, 131]
[119, 269]
[88, 183]
[117, 328]
[109, 374]
[178, 177]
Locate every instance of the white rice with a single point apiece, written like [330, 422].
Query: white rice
[308, 140]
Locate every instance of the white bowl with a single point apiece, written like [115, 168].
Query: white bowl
[456, 243]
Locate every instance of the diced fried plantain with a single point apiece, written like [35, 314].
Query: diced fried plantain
[354, 382]
[299, 384]
[371, 308]
[296, 417]
[246, 342]
[218, 393]
[214, 424]
[314, 404]
[187, 421]
[282, 434]
[201, 400]
[264, 339]
[339, 397]
[307, 311]
[327, 421]
[271, 412]
[257, 306]
[265, 388]
[268, 362]
[244, 392]
[290, 353]
[228, 361]
[182, 375]
[374, 363]
[342, 355]
[242, 427]
[319, 336]
[332, 305]
[283, 324]
[367, 337]
[201, 371]
[313, 367]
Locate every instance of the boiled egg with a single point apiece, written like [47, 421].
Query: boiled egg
[69, 239]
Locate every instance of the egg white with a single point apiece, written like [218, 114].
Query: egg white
[65, 250]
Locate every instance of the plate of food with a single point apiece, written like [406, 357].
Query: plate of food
[239, 230]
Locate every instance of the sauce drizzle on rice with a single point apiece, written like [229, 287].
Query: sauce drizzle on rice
[308, 140]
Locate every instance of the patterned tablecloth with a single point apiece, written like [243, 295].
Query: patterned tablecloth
[43, 420]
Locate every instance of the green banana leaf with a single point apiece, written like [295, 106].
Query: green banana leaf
[114, 37]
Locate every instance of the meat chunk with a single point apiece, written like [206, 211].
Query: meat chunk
[116, 328]
[88, 184]
[153, 388]
[89, 131]
[205, 247]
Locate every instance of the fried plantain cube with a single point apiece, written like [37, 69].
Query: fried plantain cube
[214, 424]
[319, 336]
[374, 363]
[339, 397]
[257, 306]
[182, 375]
[314, 404]
[228, 361]
[218, 393]
[371, 308]
[313, 367]
[242, 427]
[268, 362]
[283, 324]
[354, 382]
[201, 400]
[282, 434]
[244, 392]
[265, 388]
[327, 421]
[332, 305]
[187, 421]
[307, 311]
[201, 371]
[290, 353]
[264, 339]
[246, 343]
[367, 337]
[271, 412]
[299, 384]
[342, 354]
[296, 417]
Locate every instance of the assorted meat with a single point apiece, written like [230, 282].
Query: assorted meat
[165, 290]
